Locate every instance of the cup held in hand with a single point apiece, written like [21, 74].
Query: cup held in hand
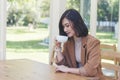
[61, 38]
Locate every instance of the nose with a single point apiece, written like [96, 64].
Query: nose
[65, 29]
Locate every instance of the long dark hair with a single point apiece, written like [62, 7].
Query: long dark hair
[78, 23]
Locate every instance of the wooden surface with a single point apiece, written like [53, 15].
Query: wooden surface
[115, 56]
[108, 47]
[31, 70]
[24, 69]
[111, 54]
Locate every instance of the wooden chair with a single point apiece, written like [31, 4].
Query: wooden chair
[112, 67]
[52, 56]
[102, 46]
[108, 47]
[115, 56]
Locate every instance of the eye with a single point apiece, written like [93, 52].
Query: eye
[67, 25]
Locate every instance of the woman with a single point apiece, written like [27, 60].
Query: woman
[81, 53]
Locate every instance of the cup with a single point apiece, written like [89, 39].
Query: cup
[61, 38]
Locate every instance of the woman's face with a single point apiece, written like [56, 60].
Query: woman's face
[68, 27]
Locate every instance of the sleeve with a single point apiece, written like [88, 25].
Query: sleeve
[93, 58]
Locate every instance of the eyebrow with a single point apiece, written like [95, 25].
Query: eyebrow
[69, 23]
[66, 24]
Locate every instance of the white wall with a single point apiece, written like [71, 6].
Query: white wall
[2, 29]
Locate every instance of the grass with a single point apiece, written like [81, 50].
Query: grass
[106, 37]
[24, 43]
[21, 39]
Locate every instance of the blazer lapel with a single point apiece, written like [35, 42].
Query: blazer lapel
[72, 53]
[83, 50]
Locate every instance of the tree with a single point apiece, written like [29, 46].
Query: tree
[44, 8]
[115, 11]
[18, 13]
[107, 10]
[73, 4]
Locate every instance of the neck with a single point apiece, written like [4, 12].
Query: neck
[75, 37]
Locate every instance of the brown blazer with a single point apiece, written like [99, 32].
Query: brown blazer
[90, 55]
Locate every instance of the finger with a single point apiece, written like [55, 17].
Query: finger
[55, 38]
[55, 65]
[57, 69]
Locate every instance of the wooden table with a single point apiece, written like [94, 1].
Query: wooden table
[24, 69]
[30, 70]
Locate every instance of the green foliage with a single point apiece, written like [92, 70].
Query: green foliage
[19, 14]
[26, 45]
[13, 16]
[23, 12]
[115, 11]
[107, 10]
[42, 25]
[103, 10]
[45, 8]
[29, 18]
[75, 4]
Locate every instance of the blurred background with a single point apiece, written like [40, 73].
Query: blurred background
[28, 23]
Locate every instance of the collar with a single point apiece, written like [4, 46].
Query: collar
[84, 40]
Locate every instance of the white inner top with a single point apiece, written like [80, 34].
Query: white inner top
[78, 49]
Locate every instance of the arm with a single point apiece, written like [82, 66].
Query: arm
[79, 71]
[57, 52]
[61, 56]
[92, 63]
[93, 60]
[58, 55]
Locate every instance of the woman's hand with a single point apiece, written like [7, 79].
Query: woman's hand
[57, 48]
[62, 68]
[57, 44]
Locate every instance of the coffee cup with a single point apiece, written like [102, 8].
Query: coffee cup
[61, 38]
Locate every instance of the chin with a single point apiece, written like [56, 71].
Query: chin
[69, 35]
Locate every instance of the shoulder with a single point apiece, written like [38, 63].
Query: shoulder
[91, 39]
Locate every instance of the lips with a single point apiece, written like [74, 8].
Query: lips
[67, 33]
